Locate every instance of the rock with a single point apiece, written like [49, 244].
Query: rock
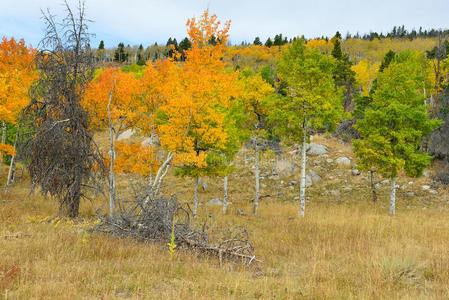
[293, 182]
[355, 172]
[410, 194]
[214, 202]
[385, 181]
[284, 168]
[263, 185]
[125, 134]
[315, 149]
[329, 160]
[313, 176]
[151, 141]
[426, 173]
[203, 185]
[410, 182]
[317, 162]
[335, 193]
[343, 161]
[296, 198]
[403, 187]
[425, 187]
[347, 189]
[433, 192]
[308, 181]
[377, 186]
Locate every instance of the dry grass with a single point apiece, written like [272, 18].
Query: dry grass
[341, 250]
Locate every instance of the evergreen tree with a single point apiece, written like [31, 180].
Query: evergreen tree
[268, 43]
[184, 45]
[140, 56]
[257, 41]
[344, 76]
[101, 46]
[120, 55]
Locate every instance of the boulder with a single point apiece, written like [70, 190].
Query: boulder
[125, 134]
[315, 149]
[335, 193]
[203, 185]
[284, 168]
[343, 161]
[433, 192]
[313, 176]
[425, 187]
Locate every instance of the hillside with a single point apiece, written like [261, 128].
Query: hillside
[345, 247]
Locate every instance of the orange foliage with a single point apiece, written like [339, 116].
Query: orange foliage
[17, 73]
[135, 158]
[193, 96]
[125, 103]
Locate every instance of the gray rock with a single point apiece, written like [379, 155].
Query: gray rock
[343, 161]
[410, 194]
[433, 192]
[151, 141]
[284, 168]
[308, 181]
[355, 172]
[335, 193]
[347, 189]
[313, 176]
[125, 134]
[378, 186]
[404, 187]
[329, 160]
[315, 149]
[426, 187]
[385, 181]
[293, 182]
[426, 173]
[214, 202]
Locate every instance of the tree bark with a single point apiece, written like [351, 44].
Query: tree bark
[393, 196]
[373, 187]
[302, 191]
[256, 197]
[195, 196]
[112, 154]
[8, 180]
[225, 194]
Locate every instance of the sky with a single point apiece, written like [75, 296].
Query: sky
[145, 22]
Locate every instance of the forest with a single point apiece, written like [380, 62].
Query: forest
[290, 168]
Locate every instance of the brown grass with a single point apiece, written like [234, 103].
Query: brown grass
[341, 250]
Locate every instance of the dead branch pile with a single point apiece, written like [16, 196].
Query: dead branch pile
[155, 222]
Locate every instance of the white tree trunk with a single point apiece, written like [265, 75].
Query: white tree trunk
[256, 197]
[225, 194]
[112, 155]
[11, 164]
[393, 196]
[302, 191]
[195, 197]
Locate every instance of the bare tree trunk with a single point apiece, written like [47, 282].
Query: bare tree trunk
[225, 194]
[373, 187]
[3, 132]
[112, 154]
[11, 164]
[393, 196]
[195, 196]
[302, 191]
[257, 172]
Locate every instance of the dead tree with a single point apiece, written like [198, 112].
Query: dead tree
[61, 153]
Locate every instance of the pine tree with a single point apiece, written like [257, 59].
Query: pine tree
[257, 41]
[101, 46]
[269, 43]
